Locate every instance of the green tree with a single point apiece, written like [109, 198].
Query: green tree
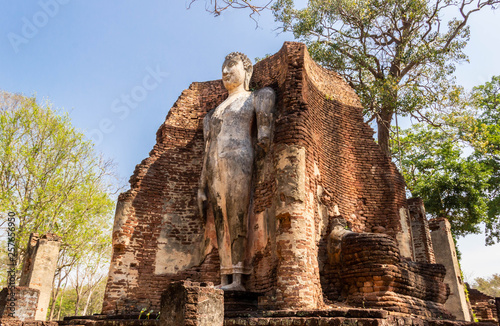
[53, 180]
[65, 305]
[453, 186]
[489, 285]
[50, 176]
[484, 136]
[455, 167]
[398, 55]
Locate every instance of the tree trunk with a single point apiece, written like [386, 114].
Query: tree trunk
[88, 301]
[54, 294]
[384, 128]
[53, 304]
[77, 301]
[60, 303]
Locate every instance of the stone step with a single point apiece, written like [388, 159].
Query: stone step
[338, 312]
[240, 301]
[306, 321]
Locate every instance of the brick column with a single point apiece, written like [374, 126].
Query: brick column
[39, 267]
[297, 272]
[422, 243]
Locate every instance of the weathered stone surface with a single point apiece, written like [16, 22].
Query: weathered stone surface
[39, 267]
[335, 241]
[228, 164]
[19, 302]
[422, 243]
[322, 163]
[497, 304]
[444, 251]
[192, 304]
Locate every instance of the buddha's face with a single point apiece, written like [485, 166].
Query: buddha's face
[233, 73]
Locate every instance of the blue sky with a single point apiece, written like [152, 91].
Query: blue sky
[118, 66]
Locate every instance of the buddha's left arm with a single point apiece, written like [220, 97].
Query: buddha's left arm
[264, 102]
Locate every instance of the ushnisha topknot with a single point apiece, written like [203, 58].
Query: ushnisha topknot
[247, 64]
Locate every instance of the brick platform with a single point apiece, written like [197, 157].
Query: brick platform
[374, 276]
[333, 317]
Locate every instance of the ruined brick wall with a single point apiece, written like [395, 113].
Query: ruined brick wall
[373, 275]
[19, 302]
[158, 214]
[323, 162]
[483, 305]
[422, 243]
[355, 175]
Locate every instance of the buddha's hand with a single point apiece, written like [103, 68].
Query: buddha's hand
[202, 198]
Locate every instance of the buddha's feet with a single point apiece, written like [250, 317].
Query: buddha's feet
[233, 287]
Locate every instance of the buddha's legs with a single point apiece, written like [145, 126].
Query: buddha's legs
[232, 200]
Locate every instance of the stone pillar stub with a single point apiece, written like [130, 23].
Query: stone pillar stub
[445, 254]
[39, 267]
[188, 303]
[422, 243]
[404, 238]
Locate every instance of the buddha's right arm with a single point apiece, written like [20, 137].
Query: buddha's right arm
[202, 188]
[206, 142]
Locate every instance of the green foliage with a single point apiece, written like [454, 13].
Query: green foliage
[484, 137]
[51, 177]
[399, 56]
[489, 285]
[65, 304]
[454, 167]
[452, 186]
[257, 59]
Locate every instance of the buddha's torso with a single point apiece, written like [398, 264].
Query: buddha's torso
[231, 128]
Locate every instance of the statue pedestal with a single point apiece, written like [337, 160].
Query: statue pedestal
[240, 301]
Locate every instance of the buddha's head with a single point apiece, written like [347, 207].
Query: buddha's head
[236, 70]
